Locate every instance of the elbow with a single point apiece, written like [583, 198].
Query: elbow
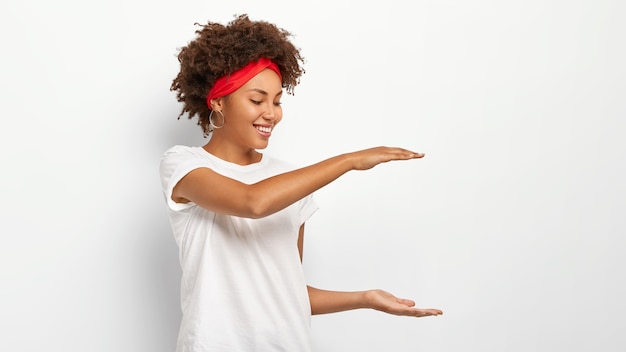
[257, 207]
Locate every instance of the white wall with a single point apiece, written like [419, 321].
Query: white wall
[513, 224]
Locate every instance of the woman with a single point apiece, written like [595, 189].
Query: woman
[237, 214]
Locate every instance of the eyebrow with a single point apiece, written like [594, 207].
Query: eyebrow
[261, 91]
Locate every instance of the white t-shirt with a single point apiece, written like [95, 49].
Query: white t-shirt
[243, 287]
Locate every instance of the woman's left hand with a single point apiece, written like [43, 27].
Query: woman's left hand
[388, 303]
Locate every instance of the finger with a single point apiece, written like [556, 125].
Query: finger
[418, 313]
[404, 154]
[413, 155]
[406, 302]
[429, 312]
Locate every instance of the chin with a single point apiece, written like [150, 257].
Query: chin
[261, 146]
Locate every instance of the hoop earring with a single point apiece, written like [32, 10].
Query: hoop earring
[212, 124]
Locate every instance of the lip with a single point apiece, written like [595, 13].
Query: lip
[264, 130]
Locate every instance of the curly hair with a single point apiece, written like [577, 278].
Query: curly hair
[219, 50]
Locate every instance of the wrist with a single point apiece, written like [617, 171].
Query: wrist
[347, 162]
[367, 299]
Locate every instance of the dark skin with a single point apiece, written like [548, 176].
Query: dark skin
[251, 113]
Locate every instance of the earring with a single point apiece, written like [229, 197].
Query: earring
[212, 124]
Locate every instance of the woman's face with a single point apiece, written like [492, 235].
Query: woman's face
[252, 111]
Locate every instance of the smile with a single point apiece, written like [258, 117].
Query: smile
[264, 129]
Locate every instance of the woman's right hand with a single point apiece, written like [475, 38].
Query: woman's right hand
[368, 158]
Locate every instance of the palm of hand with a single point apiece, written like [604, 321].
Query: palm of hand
[388, 303]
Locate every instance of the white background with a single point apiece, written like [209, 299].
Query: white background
[513, 223]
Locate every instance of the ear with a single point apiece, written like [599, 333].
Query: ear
[216, 103]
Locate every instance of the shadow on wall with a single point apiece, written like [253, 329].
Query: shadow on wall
[163, 279]
[161, 257]
[163, 266]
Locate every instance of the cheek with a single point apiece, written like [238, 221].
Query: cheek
[279, 116]
[241, 115]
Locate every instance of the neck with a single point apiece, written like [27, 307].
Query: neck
[231, 153]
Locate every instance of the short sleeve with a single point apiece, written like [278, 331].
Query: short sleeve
[175, 163]
[307, 208]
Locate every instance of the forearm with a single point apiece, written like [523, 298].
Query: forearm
[324, 301]
[224, 195]
[278, 192]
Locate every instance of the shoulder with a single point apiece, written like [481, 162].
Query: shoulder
[182, 150]
[178, 155]
[277, 164]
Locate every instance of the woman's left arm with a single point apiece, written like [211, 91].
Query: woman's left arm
[324, 301]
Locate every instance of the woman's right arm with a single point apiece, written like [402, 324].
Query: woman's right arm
[224, 195]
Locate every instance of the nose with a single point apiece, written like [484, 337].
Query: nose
[272, 113]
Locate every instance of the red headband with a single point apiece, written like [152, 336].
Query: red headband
[230, 83]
